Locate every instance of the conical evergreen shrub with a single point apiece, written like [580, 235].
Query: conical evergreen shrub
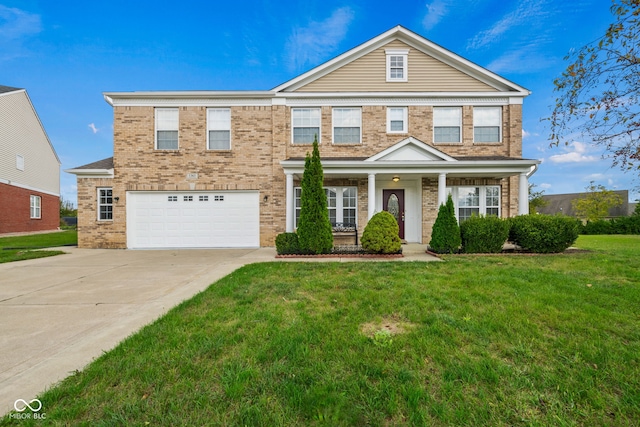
[445, 235]
[315, 234]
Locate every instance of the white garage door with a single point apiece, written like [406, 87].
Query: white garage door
[193, 219]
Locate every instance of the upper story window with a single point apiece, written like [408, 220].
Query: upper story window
[218, 128]
[486, 124]
[36, 204]
[447, 124]
[305, 125]
[347, 125]
[397, 120]
[105, 204]
[166, 128]
[397, 61]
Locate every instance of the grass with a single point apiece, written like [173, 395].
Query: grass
[17, 248]
[504, 340]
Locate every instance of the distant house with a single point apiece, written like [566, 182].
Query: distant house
[563, 203]
[29, 167]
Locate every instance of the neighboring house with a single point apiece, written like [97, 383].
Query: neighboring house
[29, 167]
[401, 122]
[563, 204]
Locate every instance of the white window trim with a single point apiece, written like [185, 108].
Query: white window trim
[404, 53]
[405, 117]
[208, 129]
[319, 125]
[155, 136]
[459, 126]
[482, 195]
[339, 203]
[333, 125]
[35, 207]
[98, 204]
[499, 141]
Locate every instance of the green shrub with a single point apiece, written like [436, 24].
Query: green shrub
[620, 225]
[484, 234]
[287, 244]
[600, 226]
[380, 236]
[445, 234]
[543, 233]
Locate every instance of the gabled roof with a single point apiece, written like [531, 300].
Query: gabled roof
[411, 149]
[415, 41]
[100, 169]
[7, 89]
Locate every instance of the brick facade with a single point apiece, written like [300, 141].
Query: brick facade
[15, 210]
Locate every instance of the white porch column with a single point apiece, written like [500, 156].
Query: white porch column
[442, 189]
[523, 197]
[372, 196]
[289, 206]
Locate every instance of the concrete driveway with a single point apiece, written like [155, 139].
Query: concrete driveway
[57, 314]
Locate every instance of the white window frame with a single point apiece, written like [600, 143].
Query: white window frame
[336, 118]
[306, 123]
[484, 192]
[108, 212]
[479, 121]
[397, 53]
[218, 124]
[405, 116]
[160, 126]
[447, 123]
[339, 207]
[35, 207]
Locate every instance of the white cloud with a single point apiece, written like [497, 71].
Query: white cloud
[578, 154]
[16, 23]
[93, 128]
[545, 186]
[315, 42]
[525, 134]
[436, 10]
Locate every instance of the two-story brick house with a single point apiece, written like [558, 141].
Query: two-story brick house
[401, 123]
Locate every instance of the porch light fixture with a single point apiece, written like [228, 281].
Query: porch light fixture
[396, 178]
[116, 199]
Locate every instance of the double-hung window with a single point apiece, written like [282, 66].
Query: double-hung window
[35, 207]
[397, 120]
[347, 125]
[397, 65]
[341, 204]
[447, 124]
[305, 124]
[218, 128]
[486, 124]
[469, 201]
[105, 204]
[166, 128]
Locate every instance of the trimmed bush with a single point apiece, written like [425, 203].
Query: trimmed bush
[287, 244]
[543, 233]
[315, 234]
[445, 234]
[380, 236]
[483, 234]
[620, 225]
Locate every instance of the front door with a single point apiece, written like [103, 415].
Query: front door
[393, 202]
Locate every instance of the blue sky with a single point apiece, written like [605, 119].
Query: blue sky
[67, 53]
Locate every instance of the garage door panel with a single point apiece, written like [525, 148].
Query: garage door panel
[193, 219]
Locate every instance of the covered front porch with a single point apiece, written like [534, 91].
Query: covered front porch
[411, 180]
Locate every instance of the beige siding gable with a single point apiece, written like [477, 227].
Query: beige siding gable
[368, 74]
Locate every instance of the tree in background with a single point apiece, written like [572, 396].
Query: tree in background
[596, 203]
[599, 91]
[535, 199]
[67, 209]
[315, 234]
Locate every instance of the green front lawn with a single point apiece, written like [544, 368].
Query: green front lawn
[19, 248]
[503, 340]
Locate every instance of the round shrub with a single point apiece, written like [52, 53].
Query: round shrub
[380, 236]
[445, 234]
[287, 244]
[484, 234]
[543, 233]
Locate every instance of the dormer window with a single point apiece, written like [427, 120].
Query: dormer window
[397, 64]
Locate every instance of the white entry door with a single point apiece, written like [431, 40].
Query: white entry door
[193, 219]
